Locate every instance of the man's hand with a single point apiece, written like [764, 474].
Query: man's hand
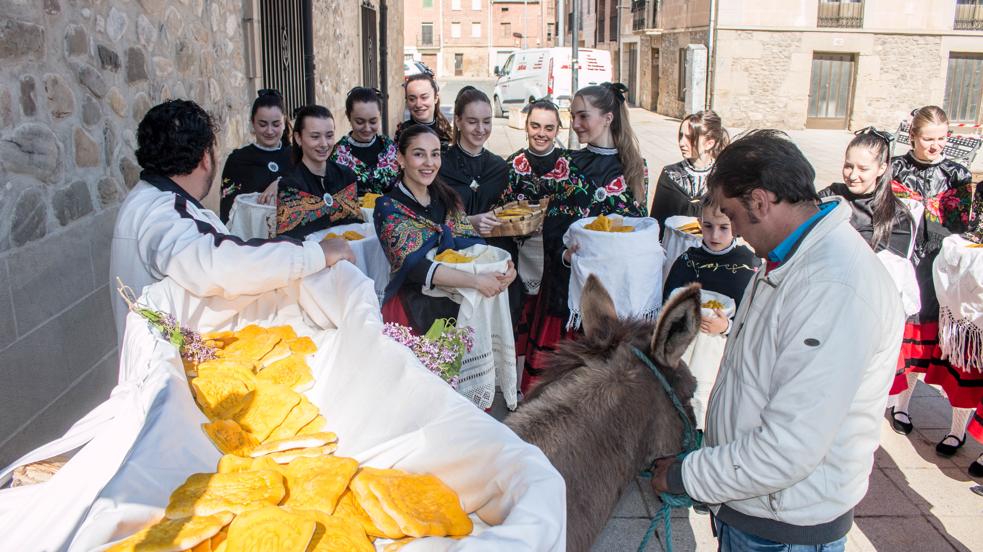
[714, 325]
[484, 223]
[660, 483]
[337, 249]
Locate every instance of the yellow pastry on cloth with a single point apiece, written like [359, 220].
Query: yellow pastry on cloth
[348, 507]
[604, 224]
[451, 256]
[299, 417]
[418, 505]
[335, 534]
[317, 483]
[713, 304]
[221, 397]
[270, 529]
[292, 372]
[267, 408]
[204, 494]
[297, 442]
[230, 438]
[349, 235]
[693, 227]
[173, 535]
[368, 200]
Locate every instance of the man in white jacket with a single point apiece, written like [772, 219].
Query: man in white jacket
[162, 230]
[794, 416]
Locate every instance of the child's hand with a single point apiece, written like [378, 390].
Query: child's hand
[714, 325]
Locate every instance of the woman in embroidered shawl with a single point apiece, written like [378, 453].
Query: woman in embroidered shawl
[368, 153]
[607, 177]
[257, 167]
[701, 138]
[419, 214]
[941, 185]
[320, 193]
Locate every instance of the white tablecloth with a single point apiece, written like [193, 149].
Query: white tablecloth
[249, 219]
[676, 242]
[369, 256]
[386, 408]
[531, 261]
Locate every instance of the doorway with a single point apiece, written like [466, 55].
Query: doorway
[831, 91]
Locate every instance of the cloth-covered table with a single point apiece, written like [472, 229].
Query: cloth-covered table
[386, 408]
[250, 219]
[369, 256]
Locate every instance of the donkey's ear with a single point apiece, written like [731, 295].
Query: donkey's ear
[596, 307]
[677, 326]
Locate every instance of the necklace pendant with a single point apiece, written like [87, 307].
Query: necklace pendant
[474, 185]
[328, 200]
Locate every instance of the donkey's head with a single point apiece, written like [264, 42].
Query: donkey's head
[602, 373]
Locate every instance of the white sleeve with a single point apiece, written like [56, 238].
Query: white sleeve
[817, 372]
[208, 262]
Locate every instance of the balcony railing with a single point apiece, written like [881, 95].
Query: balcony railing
[969, 17]
[845, 14]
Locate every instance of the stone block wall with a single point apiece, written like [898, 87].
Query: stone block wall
[76, 76]
[338, 56]
[671, 43]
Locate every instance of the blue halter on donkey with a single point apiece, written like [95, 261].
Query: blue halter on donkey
[692, 440]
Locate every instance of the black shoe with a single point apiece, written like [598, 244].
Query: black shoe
[902, 428]
[976, 469]
[947, 450]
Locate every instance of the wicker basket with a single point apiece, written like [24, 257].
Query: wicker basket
[524, 225]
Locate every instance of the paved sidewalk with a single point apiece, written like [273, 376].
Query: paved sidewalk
[916, 500]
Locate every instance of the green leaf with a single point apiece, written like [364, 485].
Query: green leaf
[436, 329]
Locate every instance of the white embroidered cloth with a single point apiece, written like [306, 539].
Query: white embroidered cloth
[250, 219]
[629, 264]
[491, 361]
[386, 408]
[958, 277]
[676, 242]
[531, 262]
[369, 256]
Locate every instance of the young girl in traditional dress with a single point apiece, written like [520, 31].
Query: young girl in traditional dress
[419, 214]
[925, 176]
[879, 217]
[721, 266]
[681, 185]
[423, 104]
[476, 174]
[607, 177]
[319, 193]
[257, 167]
[368, 153]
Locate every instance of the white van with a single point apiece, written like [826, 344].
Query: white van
[533, 74]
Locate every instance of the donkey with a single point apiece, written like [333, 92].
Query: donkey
[600, 415]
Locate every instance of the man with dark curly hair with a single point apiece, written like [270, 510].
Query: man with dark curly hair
[163, 230]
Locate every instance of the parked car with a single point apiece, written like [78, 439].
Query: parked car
[412, 67]
[533, 74]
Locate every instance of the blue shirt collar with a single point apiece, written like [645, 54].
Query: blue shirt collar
[784, 250]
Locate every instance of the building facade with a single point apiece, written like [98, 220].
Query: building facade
[75, 80]
[469, 38]
[810, 63]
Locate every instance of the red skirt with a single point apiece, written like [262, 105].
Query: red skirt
[920, 347]
[900, 377]
[393, 311]
[964, 389]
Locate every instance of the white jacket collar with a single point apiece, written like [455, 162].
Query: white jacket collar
[839, 215]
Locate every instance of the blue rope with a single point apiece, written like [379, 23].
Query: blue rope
[691, 441]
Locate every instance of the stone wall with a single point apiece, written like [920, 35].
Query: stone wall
[75, 78]
[671, 43]
[338, 56]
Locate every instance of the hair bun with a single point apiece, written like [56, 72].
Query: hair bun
[618, 89]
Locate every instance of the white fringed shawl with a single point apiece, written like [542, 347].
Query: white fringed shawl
[958, 276]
